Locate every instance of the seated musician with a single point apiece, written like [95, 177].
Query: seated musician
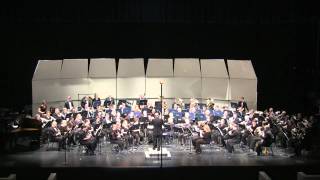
[115, 136]
[97, 127]
[266, 138]
[144, 122]
[55, 135]
[57, 115]
[65, 113]
[204, 137]
[125, 133]
[108, 101]
[47, 119]
[232, 137]
[182, 137]
[248, 132]
[217, 135]
[135, 131]
[43, 108]
[254, 136]
[87, 139]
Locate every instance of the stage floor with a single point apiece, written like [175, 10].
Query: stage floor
[212, 155]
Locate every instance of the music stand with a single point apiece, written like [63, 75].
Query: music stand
[143, 102]
[233, 105]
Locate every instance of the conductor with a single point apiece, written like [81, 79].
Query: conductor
[157, 131]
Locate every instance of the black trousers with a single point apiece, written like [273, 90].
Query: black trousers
[90, 144]
[157, 140]
[196, 142]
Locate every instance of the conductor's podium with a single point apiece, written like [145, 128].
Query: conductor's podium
[155, 154]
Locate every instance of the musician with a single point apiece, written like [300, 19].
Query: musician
[221, 126]
[65, 113]
[135, 131]
[242, 105]
[266, 139]
[57, 115]
[97, 126]
[86, 101]
[115, 136]
[69, 103]
[125, 134]
[47, 119]
[157, 131]
[55, 135]
[232, 137]
[87, 139]
[204, 137]
[43, 108]
[144, 122]
[182, 136]
[96, 102]
[108, 101]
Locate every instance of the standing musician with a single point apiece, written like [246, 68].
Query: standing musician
[242, 106]
[157, 131]
[203, 138]
[86, 101]
[69, 103]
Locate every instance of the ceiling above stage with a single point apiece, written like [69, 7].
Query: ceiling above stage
[163, 11]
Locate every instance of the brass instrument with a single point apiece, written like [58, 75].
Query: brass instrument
[210, 103]
[179, 102]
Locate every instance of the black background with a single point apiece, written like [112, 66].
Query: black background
[280, 37]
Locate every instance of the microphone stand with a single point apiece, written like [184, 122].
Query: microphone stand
[161, 83]
[65, 151]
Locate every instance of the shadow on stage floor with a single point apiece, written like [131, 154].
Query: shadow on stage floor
[184, 164]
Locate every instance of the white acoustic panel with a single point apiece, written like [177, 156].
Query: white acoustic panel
[246, 88]
[153, 87]
[131, 68]
[47, 69]
[186, 67]
[216, 88]
[73, 87]
[103, 87]
[242, 69]
[102, 68]
[74, 68]
[186, 87]
[46, 90]
[213, 68]
[160, 68]
[130, 87]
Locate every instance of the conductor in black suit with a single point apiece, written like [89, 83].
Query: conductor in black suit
[157, 131]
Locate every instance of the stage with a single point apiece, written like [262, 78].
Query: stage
[184, 163]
